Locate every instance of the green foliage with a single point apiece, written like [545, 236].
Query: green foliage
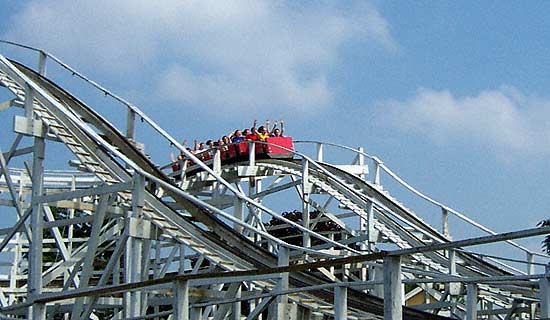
[546, 241]
[410, 287]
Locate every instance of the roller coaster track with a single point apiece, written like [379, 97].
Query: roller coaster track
[147, 223]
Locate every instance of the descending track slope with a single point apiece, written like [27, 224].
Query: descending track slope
[104, 151]
[393, 222]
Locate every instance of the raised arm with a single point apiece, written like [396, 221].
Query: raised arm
[254, 131]
[272, 131]
[196, 147]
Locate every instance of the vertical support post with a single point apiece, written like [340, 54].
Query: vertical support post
[361, 160]
[157, 267]
[130, 125]
[196, 314]
[251, 215]
[128, 262]
[137, 243]
[183, 177]
[544, 291]
[29, 107]
[181, 300]
[70, 232]
[532, 310]
[215, 185]
[14, 272]
[251, 153]
[452, 262]
[37, 219]
[283, 259]
[257, 211]
[445, 222]
[345, 266]
[376, 273]
[39, 311]
[17, 254]
[236, 315]
[393, 295]
[363, 225]
[530, 263]
[306, 238]
[134, 249]
[319, 152]
[217, 167]
[471, 307]
[340, 303]
[377, 163]
[238, 213]
[116, 280]
[454, 287]
[332, 268]
[370, 226]
[427, 285]
[42, 63]
[251, 302]
[181, 267]
[490, 309]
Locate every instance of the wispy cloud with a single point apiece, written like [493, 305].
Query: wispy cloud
[505, 119]
[239, 55]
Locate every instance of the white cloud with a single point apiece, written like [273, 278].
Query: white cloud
[242, 54]
[504, 119]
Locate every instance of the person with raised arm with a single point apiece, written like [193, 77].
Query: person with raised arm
[276, 132]
[175, 162]
[263, 132]
[198, 146]
[252, 134]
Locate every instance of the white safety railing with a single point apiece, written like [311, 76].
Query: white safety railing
[378, 165]
[136, 111]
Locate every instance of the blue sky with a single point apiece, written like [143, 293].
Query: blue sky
[452, 95]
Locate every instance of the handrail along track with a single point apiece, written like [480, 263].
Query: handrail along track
[115, 159]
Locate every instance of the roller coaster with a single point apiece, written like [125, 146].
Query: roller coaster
[120, 235]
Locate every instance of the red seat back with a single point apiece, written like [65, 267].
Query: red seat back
[285, 142]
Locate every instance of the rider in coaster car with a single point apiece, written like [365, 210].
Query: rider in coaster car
[237, 136]
[275, 132]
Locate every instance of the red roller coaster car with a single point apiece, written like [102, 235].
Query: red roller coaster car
[273, 147]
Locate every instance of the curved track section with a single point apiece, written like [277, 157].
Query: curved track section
[145, 228]
[131, 240]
